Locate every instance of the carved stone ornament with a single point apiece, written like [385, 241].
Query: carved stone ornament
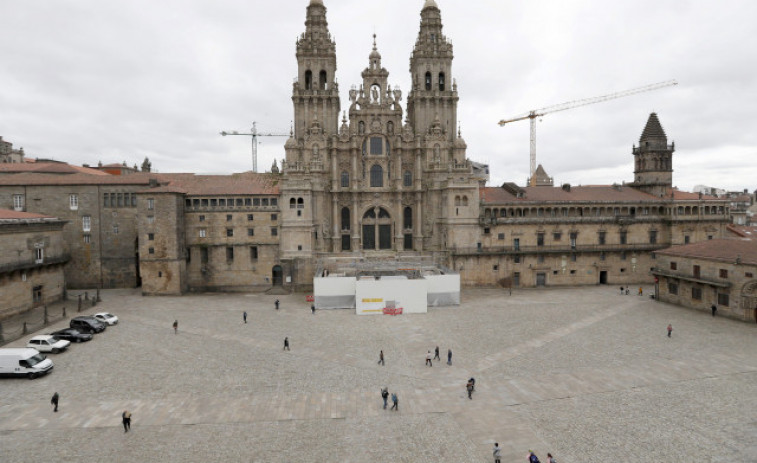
[376, 126]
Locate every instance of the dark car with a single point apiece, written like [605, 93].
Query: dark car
[87, 324]
[72, 334]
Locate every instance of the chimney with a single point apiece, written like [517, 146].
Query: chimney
[566, 187]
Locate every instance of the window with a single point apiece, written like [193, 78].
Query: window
[686, 239]
[428, 81]
[441, 81]
[723, 299]
[115, 229]
[407, 242]
[274, 202]
[151, 236]
[150, 204]
[308, 80]
[264, 202]
[106, 200]
[37, 294]
[672, 288]
[623, 255]
[229, 254]
[696, 293]
[623, 237]
[516, 244]
[723, 273]
[573, 239]
[87, 239]
[345, 218]
[239, 202]
[73, 202]
[407, 219]
[697, 270]
[250, 232]
[556, 236]
[120, 199]
[602, 237]
[573, 257]
[345, 179]
[501, 236]
[407, 178]
[150, 219]
[300, 203]
[346, 243]
[39, 255]
[249, 217]
[516, 279]
[540, 258]
[213, 202]
[292, 203]
[377, 176]
[256, 202]
[229, 232]
[228, 217]
[487, 230]
[248, 202]
[673, 266]
[709, 237]
[377, 146]
[299, 247]
[151, 250]
[18, 202]
[495, 267]
[274, 231]
[189, 255]
[540, 239]
[274, 217]
[86, 223]
[253, 253]
[202, 233]
[748, 274]
[652, 237]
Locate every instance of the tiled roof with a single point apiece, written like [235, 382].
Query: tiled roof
[37, 179]
[685, 196]
[743, 231]
[9, 214]
[48, 167]
[723, 250]
[246, 183]
[653, 129]
[604, 193]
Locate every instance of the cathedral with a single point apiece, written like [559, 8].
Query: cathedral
[374, 182]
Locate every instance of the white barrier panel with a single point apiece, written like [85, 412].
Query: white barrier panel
[334, 292]
[372, 296]
[443, 290]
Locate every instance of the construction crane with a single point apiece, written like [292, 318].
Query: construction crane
[254, 134]
[532, 115]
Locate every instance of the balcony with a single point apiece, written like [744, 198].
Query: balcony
[34, 263]
[691, 278]
[560, 249]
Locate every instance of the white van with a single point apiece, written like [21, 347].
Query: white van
[24, 362]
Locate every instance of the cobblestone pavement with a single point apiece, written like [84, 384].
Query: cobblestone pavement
[584, 373]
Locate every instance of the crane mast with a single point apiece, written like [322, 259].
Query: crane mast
[532, 115]
[255, 134]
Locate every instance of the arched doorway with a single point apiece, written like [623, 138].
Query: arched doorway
[377, 229]
[749, 301]
[277, 275]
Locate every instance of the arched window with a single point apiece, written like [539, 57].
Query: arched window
[458, 201]
[308, 80]
[322, 80]
[345, 218]
[428, 81]
[407, 179]
[465, 200]
[292, 203]
[345, 179]
[377, 176]
[300, 203]
[407, 218]
[441, 81]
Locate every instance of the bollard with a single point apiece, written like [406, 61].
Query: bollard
[79, 309]
[23, 331]
[97, 297]
[65, 294]
[46, 318]
[86, 295]
[64, 312]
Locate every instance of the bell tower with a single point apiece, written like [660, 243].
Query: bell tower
[653, 160]
[315, 93]
[433, 97]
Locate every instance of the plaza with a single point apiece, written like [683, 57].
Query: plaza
[584, 373]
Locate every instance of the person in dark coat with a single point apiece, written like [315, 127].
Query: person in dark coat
[385, 396]
[126, 419]
[54, 401]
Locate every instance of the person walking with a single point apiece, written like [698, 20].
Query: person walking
[244, 316]
[54, 401]
[312, 308]
[449, 357]
[428, 359]
[395, 402]
[286, 343]
[714, 309]
[126, 419]
[621, 290]
[385, 396]
[381, 359]
[532, 458]
[436, 354]
[627, 290]
[550, 458]
[641, 291]
[276, 304]
[497, 452]
[469, 388]
[670, 329]
[176, 327]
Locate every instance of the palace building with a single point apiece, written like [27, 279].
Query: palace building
[373, 182]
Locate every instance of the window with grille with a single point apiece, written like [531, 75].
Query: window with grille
[377, 145]
[73, 201]
[407, 178]
[86, 223]
[345, 179]
[377, 176]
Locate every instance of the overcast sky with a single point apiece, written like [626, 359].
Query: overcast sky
[91, 80]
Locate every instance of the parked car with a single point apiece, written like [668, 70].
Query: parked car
[87, 324]
[107, 318]
[24, 362]
[72, 334]
[47, 343]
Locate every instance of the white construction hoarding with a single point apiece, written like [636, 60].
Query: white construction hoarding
[372, 296]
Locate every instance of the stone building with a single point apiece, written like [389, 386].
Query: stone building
[31, 262]
[8, 155]
[718, 272]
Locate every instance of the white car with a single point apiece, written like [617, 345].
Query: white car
[107, 318]
[47, 343]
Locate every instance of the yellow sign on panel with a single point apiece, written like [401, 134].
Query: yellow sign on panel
[373, 300]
